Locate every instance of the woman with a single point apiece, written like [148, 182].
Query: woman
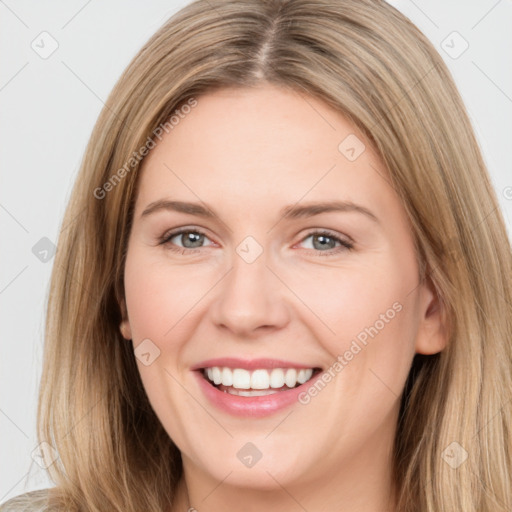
[243, 365]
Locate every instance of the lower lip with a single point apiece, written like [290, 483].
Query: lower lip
[253, 406]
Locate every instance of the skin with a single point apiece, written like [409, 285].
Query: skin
[247, 153]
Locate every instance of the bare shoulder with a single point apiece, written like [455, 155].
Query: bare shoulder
[33, 501]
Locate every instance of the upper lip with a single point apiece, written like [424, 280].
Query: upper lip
[249, 364]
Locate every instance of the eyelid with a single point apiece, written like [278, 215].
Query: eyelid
[178, 231]
[346, 242]
[329, 232]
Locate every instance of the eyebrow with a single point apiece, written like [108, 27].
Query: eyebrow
[287, 213]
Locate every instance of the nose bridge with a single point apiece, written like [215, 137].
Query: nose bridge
[250, 294]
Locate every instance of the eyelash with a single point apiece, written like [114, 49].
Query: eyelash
[165, 240]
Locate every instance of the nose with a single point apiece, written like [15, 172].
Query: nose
[250, 299]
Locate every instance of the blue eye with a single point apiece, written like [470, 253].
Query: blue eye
[325, 239]
[194, 239]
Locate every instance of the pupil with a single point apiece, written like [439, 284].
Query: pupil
[190, 238]
[197, 237]
[322, 237]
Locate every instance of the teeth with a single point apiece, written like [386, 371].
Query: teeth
[217, 377]
[227, 377]
[241, 378]
[260, 379]
[277, 378]
[302, 376]
[291, 377]
[250, 392]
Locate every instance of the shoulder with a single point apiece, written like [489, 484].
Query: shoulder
[33, 501]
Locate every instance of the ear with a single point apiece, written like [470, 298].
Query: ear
[124, 326]
[432, 332]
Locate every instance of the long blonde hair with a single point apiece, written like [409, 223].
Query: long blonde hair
[369, 62]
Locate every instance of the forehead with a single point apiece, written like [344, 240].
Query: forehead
[256, 145]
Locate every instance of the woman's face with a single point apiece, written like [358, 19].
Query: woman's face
[264, 288]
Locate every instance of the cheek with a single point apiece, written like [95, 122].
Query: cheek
[159, 295]
[148, 307]
[345, 301]
[365, 315]
[158, 298]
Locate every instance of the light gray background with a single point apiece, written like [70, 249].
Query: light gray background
[48, 108]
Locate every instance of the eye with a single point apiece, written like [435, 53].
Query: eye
[325, 242]
[192, 241]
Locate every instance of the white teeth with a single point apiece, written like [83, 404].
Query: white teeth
[251, 392]
[227, 377]
[241, 379]
[260, 379]
[291, 377]
[217, 377]
[277, 378]
[304, 375]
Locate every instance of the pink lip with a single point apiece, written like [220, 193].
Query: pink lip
[249, 364]
[251, 406]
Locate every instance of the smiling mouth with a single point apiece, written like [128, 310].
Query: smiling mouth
[258, 382]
